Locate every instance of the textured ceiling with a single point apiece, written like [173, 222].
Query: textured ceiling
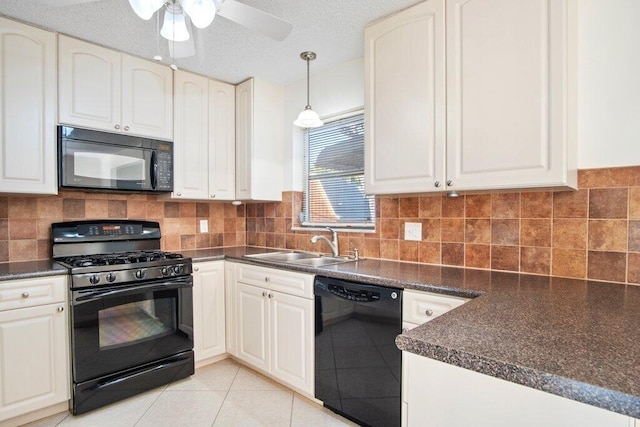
[225, 50]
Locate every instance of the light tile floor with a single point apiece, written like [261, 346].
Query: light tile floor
[221, 394]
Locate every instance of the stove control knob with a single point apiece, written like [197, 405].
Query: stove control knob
[178, 269]
[165, 271]
[140, 274]
[111, 277]
[94, 280]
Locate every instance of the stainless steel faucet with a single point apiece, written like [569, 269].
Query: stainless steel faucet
[333, 243]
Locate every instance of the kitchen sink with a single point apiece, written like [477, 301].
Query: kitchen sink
[321, 260]
[300, 258]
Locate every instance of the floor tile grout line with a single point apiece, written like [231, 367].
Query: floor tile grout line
[227, 393]
[164, 388]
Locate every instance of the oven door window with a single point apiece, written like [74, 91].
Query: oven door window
[112, 333]
[136, 322]
[87, 164]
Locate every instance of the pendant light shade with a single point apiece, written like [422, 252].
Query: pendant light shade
[201, 12]
[174, 27]
[146, 8]
[308, 118]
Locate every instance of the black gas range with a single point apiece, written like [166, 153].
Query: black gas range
[131, 309]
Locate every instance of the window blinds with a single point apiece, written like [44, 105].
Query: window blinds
[334, 171]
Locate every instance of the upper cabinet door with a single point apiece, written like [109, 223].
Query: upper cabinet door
[222, 141]
[404, 101]
[191, 145]
[147, 98]
[89, 85]
[27, 109]
[510, 77]
[244, 138]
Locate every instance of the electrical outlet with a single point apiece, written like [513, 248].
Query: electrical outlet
[204, 226]
[413, 231]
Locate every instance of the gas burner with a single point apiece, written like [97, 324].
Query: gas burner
[119, 258]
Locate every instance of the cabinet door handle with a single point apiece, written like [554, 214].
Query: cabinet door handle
[449, 183]
[126, 128]
[213, 196]
[25, 295]
[436, 184]
[196, 269]
[264, 294]
[270, 295]
[60, 309]
[178, 194]
[117, 127]
[266, 279]
[428, 312]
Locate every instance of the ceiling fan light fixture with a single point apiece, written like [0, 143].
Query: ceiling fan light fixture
[174, 27]
[308, 118]
[146, 8]
[201, 12]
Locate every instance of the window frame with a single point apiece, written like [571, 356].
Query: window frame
[361, 227]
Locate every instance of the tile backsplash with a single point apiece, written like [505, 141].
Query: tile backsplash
[25, 222]
[592, 233]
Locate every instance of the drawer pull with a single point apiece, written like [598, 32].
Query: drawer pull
[60, 309]
[25, 295]
[428, 312]
[266, 279]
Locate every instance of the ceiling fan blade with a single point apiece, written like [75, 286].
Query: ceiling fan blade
[62, 3]
[255, 19]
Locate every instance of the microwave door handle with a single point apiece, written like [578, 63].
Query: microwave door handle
[154, 170]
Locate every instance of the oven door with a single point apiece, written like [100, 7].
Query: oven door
[117, 328]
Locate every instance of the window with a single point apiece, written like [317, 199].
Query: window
[334, 176]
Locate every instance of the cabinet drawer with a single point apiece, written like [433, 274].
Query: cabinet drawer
[289, 282]
[420, 307]
[32, 292]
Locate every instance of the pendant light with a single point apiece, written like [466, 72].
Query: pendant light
[308, 118]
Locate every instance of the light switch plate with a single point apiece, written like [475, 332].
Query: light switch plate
[413, 231]
[204, 226]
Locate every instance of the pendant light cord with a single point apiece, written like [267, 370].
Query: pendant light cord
[308, 103]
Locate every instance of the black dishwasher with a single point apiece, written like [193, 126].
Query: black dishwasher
[358, 367]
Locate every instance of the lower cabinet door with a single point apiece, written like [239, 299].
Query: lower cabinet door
[252, 325]
[34, 366]
[292, 340]
[208, 309]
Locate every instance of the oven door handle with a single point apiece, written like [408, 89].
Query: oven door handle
[84, 296]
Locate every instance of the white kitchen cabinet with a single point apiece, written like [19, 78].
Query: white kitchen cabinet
[27, 109]
[208, 310]
[106, 90]
[418, 308]
[190, 151]
[230, 307]
[259, 164]
[204, 146]
[34, 372]
[405, 101]
[510, 97]
[222, 141]
[443, 395]
[274, 327]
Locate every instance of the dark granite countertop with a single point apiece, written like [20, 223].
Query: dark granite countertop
[574, 338]
[29, 269]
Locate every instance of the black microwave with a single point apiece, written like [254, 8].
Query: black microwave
[96, 160]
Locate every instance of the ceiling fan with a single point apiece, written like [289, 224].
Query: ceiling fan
[201, 14]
